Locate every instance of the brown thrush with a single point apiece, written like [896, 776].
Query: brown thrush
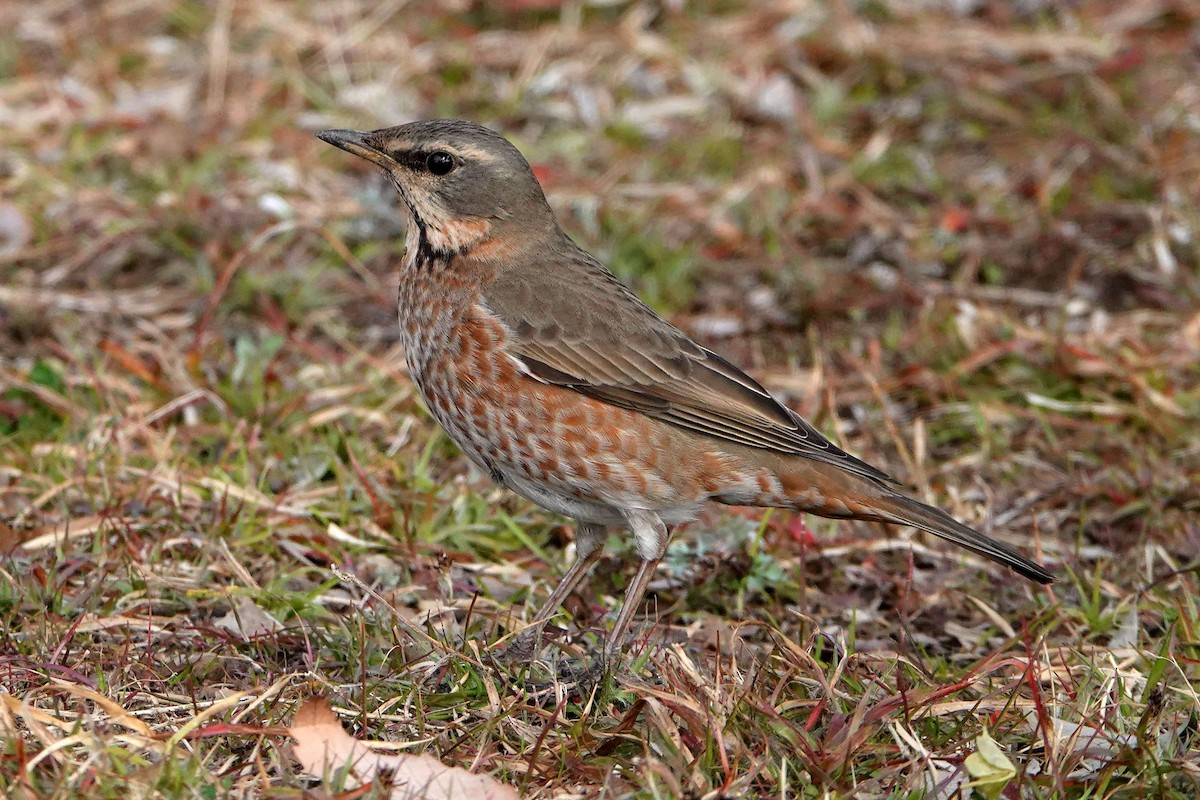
[557, 380]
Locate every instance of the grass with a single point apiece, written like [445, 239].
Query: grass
[963, 245]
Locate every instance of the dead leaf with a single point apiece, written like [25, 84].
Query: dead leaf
[323, 747]
[248, 620]
[9, 538]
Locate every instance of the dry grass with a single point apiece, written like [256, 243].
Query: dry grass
[961, 237]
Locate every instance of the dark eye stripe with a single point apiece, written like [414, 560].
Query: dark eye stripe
[414, 159]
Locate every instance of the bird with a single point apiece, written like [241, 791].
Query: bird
[558, 382]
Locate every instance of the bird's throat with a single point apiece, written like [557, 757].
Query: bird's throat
[436, 235]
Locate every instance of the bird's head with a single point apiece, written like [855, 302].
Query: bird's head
[467, 189]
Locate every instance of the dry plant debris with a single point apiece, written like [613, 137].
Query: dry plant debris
[963, 238]
[324, 749]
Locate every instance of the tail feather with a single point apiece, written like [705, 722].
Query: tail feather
[905, 510]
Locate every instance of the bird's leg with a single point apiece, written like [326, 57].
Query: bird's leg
[651, 535]
[589, 544]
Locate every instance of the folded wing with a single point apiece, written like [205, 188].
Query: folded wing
[575, 325]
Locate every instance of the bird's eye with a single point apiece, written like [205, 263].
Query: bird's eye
[440, 162]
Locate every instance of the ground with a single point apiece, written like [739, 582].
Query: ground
[962, 238]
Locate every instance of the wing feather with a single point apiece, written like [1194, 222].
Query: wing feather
[570, 328]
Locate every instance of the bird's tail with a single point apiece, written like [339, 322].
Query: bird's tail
[904, 510]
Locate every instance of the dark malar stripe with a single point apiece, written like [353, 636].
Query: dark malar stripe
[427, 254]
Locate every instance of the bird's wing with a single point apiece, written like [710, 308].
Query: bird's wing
[574, 324]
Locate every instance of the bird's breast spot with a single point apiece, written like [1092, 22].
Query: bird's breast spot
[809, 498]
[749, 487]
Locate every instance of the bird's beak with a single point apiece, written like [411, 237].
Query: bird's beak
[358, 143]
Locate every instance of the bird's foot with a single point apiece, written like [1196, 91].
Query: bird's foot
[586, 674]
[521, 648]
[565, 668]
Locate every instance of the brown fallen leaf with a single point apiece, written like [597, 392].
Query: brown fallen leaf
[323, 747]
[9, 538]
[248, 620]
